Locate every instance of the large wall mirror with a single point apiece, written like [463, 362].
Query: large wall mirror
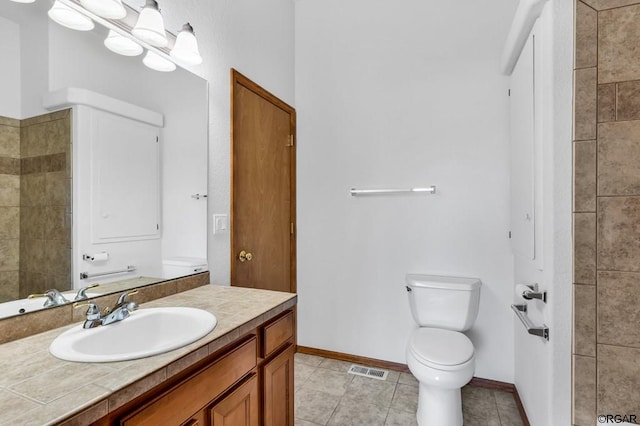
[103, 164]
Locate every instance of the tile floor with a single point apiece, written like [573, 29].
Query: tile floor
[327, 395]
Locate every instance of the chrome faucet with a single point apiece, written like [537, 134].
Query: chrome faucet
[82, 293]
[54, 298]
[120, 311]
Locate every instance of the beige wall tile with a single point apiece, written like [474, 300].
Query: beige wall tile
[584, 320]
[56, 187]
[618, 380]
[606, 102]
[628, 100]
[57, 115]
[9, 190]
[618, 38]
[9, 285]
[36, 322]
[32, 189]
[609, 4]
[9, 222]
[585, 109]
[9, 141]
[584, 391]
[584, 248]
[618, 242]
[59, 136]
[8, 121]
[586, 41]
[9, 255]
[619, 158]
[618, 313]
[584, 182]
[9, 166]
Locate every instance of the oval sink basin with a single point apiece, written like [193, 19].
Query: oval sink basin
[146, 332]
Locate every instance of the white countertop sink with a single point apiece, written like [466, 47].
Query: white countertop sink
[146, 332]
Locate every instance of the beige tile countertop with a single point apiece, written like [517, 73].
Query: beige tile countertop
[38, 389]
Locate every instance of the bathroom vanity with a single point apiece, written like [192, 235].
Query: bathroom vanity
[240, 373]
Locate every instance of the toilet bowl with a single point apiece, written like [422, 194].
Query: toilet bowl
[440, 357]
[442, 361]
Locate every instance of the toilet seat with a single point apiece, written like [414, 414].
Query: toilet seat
[441, 349]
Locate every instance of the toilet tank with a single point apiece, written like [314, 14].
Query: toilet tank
[175, 267]
[442, 301]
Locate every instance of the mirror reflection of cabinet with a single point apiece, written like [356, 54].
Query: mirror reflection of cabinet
[125, 179]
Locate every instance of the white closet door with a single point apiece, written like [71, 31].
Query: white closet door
[522, 139]
[125, 181]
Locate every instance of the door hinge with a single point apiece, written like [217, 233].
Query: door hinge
[157, 226]
[290, 140]
[157, 139]
[509, 234]
[509, 92]
[292, 228]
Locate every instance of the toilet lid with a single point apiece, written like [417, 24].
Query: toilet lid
[442, 347]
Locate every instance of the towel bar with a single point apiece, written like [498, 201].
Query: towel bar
[85, 275]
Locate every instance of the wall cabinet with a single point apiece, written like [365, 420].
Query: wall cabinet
[247, 383]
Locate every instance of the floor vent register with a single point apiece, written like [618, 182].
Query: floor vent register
[374, 373]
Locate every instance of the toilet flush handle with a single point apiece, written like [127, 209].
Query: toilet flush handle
[408, 288]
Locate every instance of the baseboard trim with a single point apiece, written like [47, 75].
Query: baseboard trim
[355, 359]
[476, 381]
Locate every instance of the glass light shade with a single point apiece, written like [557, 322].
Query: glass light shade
[23, 1]
[158, 63]
[122, 45]
[186, 48]
[111, 9]
[67, 17]
[150, 26]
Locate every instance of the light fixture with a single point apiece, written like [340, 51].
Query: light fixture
[186, 48]
[158, 63]
[67, 17]
[122, 45]
[111, 9]
[23, 1]
[150, 26]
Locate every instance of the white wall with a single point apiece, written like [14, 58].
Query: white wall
[256, 38]
[401, 95]
[543, 369]
[10, 69]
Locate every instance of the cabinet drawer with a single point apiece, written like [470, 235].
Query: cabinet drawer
[277, 333]
[184, 400]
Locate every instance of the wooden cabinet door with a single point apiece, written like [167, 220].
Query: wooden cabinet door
[240, 408]
[278, 390]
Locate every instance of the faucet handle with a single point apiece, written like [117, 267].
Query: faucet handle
[82, 293]
[123, 296]
[93, 310]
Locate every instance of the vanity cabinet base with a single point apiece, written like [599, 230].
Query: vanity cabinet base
[234, 387]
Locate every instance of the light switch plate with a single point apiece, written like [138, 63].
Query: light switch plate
[220, 223]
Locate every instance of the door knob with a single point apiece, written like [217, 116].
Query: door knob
[244, 256]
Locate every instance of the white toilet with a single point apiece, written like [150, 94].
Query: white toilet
[438, 354]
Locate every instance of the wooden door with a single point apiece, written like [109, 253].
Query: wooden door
[262, 188]
[278, 390]
[240, 408]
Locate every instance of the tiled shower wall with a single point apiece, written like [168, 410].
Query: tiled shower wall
[9, 208]
[45, 203]
[606, 205]
[35, 204]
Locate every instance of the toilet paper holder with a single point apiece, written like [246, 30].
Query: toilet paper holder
[532, 292]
